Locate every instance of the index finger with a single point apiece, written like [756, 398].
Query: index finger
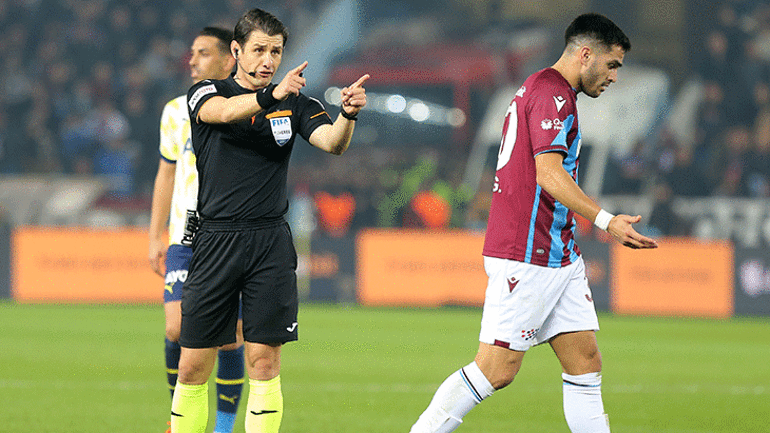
[360, 81]
[298, 70]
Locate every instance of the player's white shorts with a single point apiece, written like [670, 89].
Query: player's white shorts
[527, 304]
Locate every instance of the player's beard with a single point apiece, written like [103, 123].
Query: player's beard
[591, 82]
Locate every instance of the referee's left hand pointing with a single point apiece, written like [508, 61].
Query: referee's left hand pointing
[354, 96]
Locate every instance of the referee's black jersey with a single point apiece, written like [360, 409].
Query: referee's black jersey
[243, 166]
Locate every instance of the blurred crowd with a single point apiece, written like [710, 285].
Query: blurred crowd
[83, 83]
[729, 154]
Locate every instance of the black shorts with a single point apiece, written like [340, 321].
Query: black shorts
[252, 261]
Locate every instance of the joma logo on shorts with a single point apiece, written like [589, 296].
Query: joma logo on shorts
[174, 276]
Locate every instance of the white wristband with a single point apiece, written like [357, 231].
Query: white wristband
[603, 219]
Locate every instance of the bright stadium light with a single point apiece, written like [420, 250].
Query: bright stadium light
[332, 96]
[419, 111]
[405, 108]
[396, 104]
[455, 117]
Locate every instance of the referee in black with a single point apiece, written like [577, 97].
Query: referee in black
[243, 132]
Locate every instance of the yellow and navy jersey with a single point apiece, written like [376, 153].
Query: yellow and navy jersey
[176, 148]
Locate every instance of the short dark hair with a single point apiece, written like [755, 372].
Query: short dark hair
[257, 19]
[224, 36]
[599, 28]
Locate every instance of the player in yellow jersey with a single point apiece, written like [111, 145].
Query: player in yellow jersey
[176, 191]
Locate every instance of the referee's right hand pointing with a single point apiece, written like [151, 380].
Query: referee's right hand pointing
[354, 96]
[293, 82]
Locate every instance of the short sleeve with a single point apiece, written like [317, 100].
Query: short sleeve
[312, 115]
[198, 94]
[549, 115]
[170, 148]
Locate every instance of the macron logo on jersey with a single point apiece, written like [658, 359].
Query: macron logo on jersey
[512, 282]
[203, 91]
[560, 101]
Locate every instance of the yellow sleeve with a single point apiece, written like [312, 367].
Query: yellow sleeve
[170, 125]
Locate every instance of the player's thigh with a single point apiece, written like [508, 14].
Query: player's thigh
[578, 352]
[269, 297]
[211, 295]
[519, 298]
[574, 319]
[177, 266]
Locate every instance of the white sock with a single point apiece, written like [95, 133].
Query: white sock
[583, 407]
[459, 393]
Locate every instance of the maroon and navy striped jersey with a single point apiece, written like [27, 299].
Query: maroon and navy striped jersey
[526, 223]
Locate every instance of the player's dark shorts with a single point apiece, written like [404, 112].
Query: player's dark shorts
[177, 264]
[254, 261]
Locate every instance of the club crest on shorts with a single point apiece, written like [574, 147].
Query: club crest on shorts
[281, 127]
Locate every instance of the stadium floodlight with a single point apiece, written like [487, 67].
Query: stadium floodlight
[419, 111]
[405, 107]
[396, 103]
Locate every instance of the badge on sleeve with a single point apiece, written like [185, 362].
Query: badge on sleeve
[281, 127]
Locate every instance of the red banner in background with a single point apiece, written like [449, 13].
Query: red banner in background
[682, 277]
[82, 265]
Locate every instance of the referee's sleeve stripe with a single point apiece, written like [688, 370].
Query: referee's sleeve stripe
[316, 115]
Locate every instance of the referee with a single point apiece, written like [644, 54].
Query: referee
[243, 132]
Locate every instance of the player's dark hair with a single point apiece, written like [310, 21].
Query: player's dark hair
[224, 37]
[599, 28]
[257, 19]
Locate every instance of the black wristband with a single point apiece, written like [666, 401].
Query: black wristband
[265, 97]
[344, 114]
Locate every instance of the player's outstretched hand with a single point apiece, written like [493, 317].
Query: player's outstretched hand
[157, 256]
[621, 229]
[354, 96]
[293, 82]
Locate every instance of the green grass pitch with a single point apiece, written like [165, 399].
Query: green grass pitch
[96, 369]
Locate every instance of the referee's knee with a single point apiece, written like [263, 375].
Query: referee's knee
[262, 361]
[195, 367]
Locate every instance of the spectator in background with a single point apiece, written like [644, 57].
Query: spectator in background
[335, 212]
[478, 209]
[115, 155]
[715, 65]
[711, 121]
[408, 184]
[77, 147]
[121, 30]
[39, 131]
[427, 209]
[6, 163]
[683, 176]
[143, 132]
[758, 167]
[676, 166]
[115, 159]
[730, 162]
[625, 175]
[663, 220]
